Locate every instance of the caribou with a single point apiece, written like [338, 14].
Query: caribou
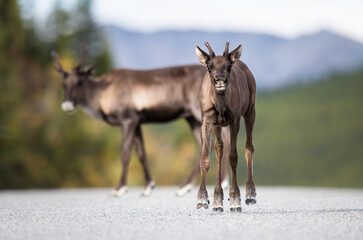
[130, 98]
[228, 92]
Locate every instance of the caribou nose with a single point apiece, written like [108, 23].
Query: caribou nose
[68, 106]
[220, 84]
[220, 77]
[219, 80]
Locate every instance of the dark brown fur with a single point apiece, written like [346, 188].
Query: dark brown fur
[228, 93]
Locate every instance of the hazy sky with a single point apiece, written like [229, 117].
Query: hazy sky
[287, 18]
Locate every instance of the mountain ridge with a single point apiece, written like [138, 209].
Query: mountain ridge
[275, 61]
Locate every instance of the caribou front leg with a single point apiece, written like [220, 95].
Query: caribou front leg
[128, 131]
[140, 150]
[202, 197]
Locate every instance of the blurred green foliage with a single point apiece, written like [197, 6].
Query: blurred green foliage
[38, 142]
[311, 134]
[304, 135]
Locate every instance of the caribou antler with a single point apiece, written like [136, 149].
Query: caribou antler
[225, 53]
[211, 52]
[58, 66]
[83, 56]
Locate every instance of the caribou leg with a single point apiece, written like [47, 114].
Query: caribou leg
[128, 131]
[249, 151]
[218, 190]
[202, 197]
[234, 193]
[188, 184]
[140, 150]
[225, 162]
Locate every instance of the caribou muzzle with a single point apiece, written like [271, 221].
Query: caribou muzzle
[68, 106]
[220, 84]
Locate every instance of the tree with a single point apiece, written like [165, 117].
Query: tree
[40, 146]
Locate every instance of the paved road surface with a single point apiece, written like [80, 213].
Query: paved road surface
[280, 213]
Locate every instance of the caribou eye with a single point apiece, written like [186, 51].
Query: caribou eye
[65, 74]
[210, 67]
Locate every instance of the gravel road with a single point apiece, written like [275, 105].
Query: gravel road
[280, 213]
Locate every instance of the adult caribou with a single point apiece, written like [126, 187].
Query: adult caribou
[129, 98]
[228, 93]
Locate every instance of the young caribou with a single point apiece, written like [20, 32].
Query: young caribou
[228, 93]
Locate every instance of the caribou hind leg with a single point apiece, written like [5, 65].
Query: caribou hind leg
[188, 184]
[234, 193]
[218, 190]
[249, 151]
[225, 162]
[140, 150]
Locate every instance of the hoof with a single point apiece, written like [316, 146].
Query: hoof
[184, 190]
[235, 205]
[202, 203]
[250, 201]
[120, 192]
[148, 189]
[236, 209]
[218, 209]
[250, 193]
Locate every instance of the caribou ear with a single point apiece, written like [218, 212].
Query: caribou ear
[235, 54]
[89, 70]
[202, 56]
